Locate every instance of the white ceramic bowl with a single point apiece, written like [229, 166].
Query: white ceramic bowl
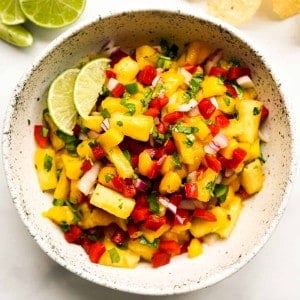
[260, 214]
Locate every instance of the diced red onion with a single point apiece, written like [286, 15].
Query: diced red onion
[105, 124]
[211, 238]
[141, 185]
[169, 205]
[228, 172]
[211, 148]
[161, 160]
[219, 179]
[245, 82]
[87, 181]
[187, 204]
[186, 74]
[192, 177]
[194, 112]
[200, 204]
[213, 60]
[179, 219]
[151, 152]
[155, 81]
[263, 135]
[188, 106]
[82, 136]
[112, 83]
[220, 140]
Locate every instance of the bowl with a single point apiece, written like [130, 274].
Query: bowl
[130, 28]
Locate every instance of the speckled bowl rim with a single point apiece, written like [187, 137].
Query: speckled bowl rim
[187, 10]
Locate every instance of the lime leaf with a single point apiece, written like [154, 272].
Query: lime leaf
[60, 101]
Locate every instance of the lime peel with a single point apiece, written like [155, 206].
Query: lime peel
[16, 35]
[11, 13]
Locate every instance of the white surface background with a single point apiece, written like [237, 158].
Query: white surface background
[274, 274]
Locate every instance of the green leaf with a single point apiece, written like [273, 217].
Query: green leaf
[176, 161]
[256, 111]
[64, 226]
[114, 255]
[131, 88]
[58, 202]
[105, 113]
[48, 162]
[153, 202]
[221, 191]
[154, 244]
[179, 127]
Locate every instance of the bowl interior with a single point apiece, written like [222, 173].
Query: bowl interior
[260, 213]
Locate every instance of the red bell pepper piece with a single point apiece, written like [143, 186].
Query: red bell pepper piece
[129, 190]
[169, 146]
[41, 138]
[154, 222]
[214, 129]
[217, 71]
[146, 75]
[118, 90]
[159, 102]
[152, 112]
[98, 151]
[236, 72]
[190, 68]
[140, 214]
[242, 193]
[213, 163]
[206, 108]
[222, 121]
[264, 114]
[238, 156]
[118, 183]
[184, 214]
[231, 91]
[116, 56]
[76, 130]
[161, 128]
[132, 230]
[73, 234]
[110, 74]
[173, 117]
[176, 199]
[86, 165]
[95, 251]
[160, 258]
[154, 170]
[204, 214]
[118, 237]
[134, 160]
[191, 189]
[169, 246]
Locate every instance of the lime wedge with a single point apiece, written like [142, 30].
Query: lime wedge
[16, 35]
[52, 13]
[88, 85]
[60, 101]
[11, 13]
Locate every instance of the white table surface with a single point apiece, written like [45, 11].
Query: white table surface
[26, 272]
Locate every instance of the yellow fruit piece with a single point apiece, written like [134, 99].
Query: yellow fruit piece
[252, 177]
[143, 250]
[234, 128]
[227, 151]
[137, 127]
[196, 53]
[72, 166]
[226, 104]
[126, 70]
[181, 228]
[60, 215]
[170, 183]
[146, 55]
[113, 105]
[110, 139]
[112, 202]
[75, 194]
[195, 248]
[62, 189]
[172, 81]
[92, 122]
[106, 174]
[45, 164]
[152, 235]
[198, 156]
[213, 86]
[254, 151]
[145, 163]
[205, 184]
[84, 149]
[119, 160]
[185, 151]
[198, 122]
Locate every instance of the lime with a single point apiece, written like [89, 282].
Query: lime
[16, 35]
[60, 101]
[88, 85]
[11, 13]
[52, 13]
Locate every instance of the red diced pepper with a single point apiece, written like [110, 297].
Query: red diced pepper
[110, 74]
[184, 247]
[170, 246]
[160, 258]
[116, 56]
[242, 193]
[217, 71]
[169, 147]
[213, 163]
[95, 251]
[204, 214]
[184, 214]
[222, 121]
[214, 129]
[173, 117]
[76, 130]
[40, 138]
[152, 112]
[236, 72]
[191, 189]
[159, 102]
[176, 199]
[129, 190]
[161, 128]
[231, 91]
[118, 90]
[142, 201]
[73, 234]
[153, 172]
[190, 68]
[118, 237]
[134, 160]
[154, 222]
[86, 165]
[132, 230]
[98, 151]
[146, 75]
[238, 156]
[118, 183]
[206, 108]
[264, 114]
[86, 244]
[140, 214]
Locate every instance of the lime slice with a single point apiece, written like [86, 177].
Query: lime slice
[52, 13]
[11, 13]
[88, 85]
[16, 35]
[60, 101]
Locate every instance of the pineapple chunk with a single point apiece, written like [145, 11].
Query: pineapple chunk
[170, 183]
[146, 55]
[151, 235]
[126, 69]
[213, 86]
[72, 166]
[143, 250]
[205, 184]
[63, 187]
[93, 122]
[111, 138]
[195, 248]
[60, 215]
[112, 202]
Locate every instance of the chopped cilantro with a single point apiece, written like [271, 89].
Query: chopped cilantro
[28, 121]
[120, 123]
[168, 50]
[159, 137]
[190, 139]
[71, 141]
[105, 113]
[108, 177]
[221, 191]
[64, 226]
[127, 155]
[153, 202]
[159, 90]
[256, 111]
[48, 162]
[234, 61]
[131, 88]
[210, 186]
[58, 202]
[147, 97]
[238, 89]
[114, 255]
[130, 106]
[179, 127]
[227, 100]
[154, 244]
[176, 161]
[164, 62]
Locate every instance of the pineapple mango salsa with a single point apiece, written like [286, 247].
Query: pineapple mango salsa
[167, 156]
